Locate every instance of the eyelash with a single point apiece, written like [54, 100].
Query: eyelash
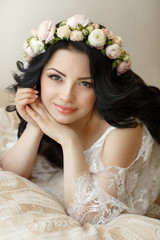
[58, 78]
[55, 76]
[89, 84]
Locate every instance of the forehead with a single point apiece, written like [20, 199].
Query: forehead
[69, 58]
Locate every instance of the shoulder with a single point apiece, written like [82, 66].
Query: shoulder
[121, 146]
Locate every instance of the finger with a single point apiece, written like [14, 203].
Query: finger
[42, 121]
[42, 112]
[34, 115]
[25, 96]
[24, 90]
[38, 107]
[21, 104]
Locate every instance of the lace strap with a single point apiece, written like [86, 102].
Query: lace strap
[105, 134]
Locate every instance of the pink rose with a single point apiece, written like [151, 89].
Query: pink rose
[34, 32]
[109, 34]
[76, 35]
[27, 60]
[123, 67]
[113, 51]
[117, 40]
[78, 19]
[105, 30]
[46, 31]
[63, 32]
[95, 25]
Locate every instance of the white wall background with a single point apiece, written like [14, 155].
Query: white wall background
[136, 21]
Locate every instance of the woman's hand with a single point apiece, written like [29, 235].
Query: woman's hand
[24, 97]
[74, 163]
[61, 133]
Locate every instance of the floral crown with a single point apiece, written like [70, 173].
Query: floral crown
[78, 28]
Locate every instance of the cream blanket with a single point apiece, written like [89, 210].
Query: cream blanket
[27, 212]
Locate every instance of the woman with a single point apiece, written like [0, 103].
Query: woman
[86, 111]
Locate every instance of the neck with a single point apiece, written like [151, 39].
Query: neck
[83, 125]
[90, 129]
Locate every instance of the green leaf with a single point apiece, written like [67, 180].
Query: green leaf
[29, 39]
[114, 64]
[85, 32]
[56, 39]
[109, 42]
[72, 29]
[103, 51]
[87, 42]
[126, 58]
[118, 61]
[51, 42]
[79, 27]
[62, 24]
[89, 28]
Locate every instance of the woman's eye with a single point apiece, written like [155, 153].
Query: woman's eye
[87, 84]
[55, 77]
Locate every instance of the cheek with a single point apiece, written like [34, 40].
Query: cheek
[44, 93]
[90, 100]
[47, 91]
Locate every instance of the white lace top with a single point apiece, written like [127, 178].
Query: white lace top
[109, 191]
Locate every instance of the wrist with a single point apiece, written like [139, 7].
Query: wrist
[34, 129]
[71, 142]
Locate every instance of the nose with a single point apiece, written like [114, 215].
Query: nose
[67, 93]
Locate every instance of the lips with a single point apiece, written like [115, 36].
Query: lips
[65, 110]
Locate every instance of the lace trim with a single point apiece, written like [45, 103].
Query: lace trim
[89, 205]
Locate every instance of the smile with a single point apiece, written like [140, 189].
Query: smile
[65, 110]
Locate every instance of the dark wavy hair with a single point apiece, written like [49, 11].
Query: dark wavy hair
[120, 100]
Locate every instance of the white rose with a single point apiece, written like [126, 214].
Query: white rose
[76, 35]
[28, 50]
[113, 51]
[117, 40]
[63, 32]
[78, 19]
[126, 57]
[34, 48]
[46, 31]
[97, 38]
[37, 46]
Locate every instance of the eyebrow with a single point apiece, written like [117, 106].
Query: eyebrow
[81, 78]
[57, 71]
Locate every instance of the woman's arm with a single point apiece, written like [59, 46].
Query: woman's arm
[90, 197]
[73, 156]
[96, 196]
[21, 157]
[74, 166]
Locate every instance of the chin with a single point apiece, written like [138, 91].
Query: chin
[63, 120]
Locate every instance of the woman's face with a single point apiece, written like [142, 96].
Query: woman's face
[67, 87]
